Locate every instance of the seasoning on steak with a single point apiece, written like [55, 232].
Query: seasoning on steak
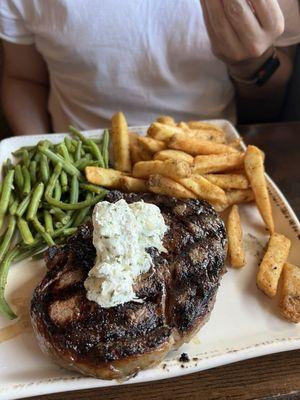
[178, 292]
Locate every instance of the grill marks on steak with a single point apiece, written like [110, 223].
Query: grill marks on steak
[178, 292]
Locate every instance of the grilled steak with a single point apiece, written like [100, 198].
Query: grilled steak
[178, 291]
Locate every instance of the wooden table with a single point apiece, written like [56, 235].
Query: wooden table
[276, 376]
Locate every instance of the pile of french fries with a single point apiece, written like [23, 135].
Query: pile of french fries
[193, 160]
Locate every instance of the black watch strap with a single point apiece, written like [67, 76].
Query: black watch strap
[263, 74]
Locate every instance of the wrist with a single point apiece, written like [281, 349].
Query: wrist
[245, 70]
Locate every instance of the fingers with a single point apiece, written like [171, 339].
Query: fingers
[242, 20]
[242, 30]
[223, 37]
[269, 15]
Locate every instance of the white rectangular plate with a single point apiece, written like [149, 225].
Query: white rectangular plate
[244, 323]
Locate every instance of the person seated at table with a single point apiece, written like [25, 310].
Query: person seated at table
[78, 62]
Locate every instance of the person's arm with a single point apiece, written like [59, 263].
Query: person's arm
[256, 104]
[24, 90]
[243, 35]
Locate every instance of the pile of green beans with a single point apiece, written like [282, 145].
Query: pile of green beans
[44, 197]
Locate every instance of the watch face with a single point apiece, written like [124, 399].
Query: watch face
[267, 70]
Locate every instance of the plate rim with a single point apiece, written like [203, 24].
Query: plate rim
[212, 359]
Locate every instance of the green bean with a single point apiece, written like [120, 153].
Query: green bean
[30, 251]
[76, 206]
[74, 192]
[8, 236]
[67, 206]
[46, 143]
[35, 201]
[4, 267]
[81, 214]
[91, 188]
[19, 179]
[37, 157]
[64, 181]
[48, 222]
[11, 199]
[5, 195]
[96, 152]
[57, 190]
[57, 159]
[38, 255]
[78, 151]
[86, 148]
[25, 158]
[83, 163]
[44, 169]
[69, 144]
[88, 156]
[1, 186]
[64, 232]
[105, 147]
[13, 207]
[27, 182]
[25, 231]
[40, 229]
[60, 215]
[74, 144]
[62, 148]
[32, 171]
[19, 152]
[7, 166]
[23, 206]
[78, 134]
[53, 179]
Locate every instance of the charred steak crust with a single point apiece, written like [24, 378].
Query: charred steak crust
[178, 292]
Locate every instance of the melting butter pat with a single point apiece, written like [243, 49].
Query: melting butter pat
[122, 233]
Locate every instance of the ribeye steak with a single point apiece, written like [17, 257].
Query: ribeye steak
[179, 292]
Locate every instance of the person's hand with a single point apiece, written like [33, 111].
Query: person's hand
[243, 32]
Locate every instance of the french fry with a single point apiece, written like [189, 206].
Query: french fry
[132, 137]
[163, 132]
[166, 119]
[184, 126]
[206, 134]
[213, 132]
[162, 185]
[206, 164]
[255, 171]
[108, 178]
[174, 155]
[138, 154]
[228, 181]
[150, 145]
[237, 196]
[271, 266]
[204, 189]
[120, 142]
[171, 168]
[236, 143]
[235, 239]
[219, 207]
[204, 125]
[195, 146]
[129, 184]
[135, 154]
[289, 300]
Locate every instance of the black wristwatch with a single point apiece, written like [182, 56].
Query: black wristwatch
[263, 74]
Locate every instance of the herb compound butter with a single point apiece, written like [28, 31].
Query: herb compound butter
[122, 233]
